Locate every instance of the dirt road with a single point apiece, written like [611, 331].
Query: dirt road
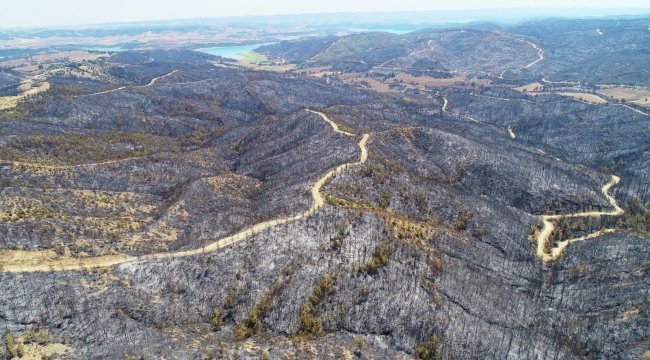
[543, 236]
[17, 261]
[125, 87]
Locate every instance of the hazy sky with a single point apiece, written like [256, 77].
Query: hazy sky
[19, 13]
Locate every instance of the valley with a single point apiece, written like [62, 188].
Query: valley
[479, 191]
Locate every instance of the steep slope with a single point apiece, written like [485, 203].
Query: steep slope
[381, 218]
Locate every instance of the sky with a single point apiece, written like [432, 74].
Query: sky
[36, 13]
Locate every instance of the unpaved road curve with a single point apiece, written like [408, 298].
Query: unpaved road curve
[444, 110]
[125, 87]
[12, 260]
[542, 237]
[540, 51]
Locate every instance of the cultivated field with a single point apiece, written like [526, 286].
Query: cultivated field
[366, 82]
[594, 99]
[31, 63]
[637, 96]
[422, 81]
[530, 87]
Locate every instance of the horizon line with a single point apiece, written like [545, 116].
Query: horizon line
[639, 12]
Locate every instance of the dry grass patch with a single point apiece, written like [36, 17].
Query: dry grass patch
[266, 67]
[64, 56]
[483, 82]
[10, 102]
[84, 149]
[230, 184]
[530, 87]
[366, 82]
[315, 70]
[636, 96]
[421, 81]
[629, 315]
[594, 99]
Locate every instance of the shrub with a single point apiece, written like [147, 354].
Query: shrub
[380, 258]
[461, 223]
[309, 325]
[215, 320]
[359, 342]
[252, 324]
[10, 344]
[384, 199]
[429, 350]
[230, 300]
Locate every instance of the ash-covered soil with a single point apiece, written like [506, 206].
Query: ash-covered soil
[427, 249]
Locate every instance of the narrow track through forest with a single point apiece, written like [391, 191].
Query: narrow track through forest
[12, 259]
[543, 236]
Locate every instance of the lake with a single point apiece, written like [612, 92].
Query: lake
[233, 52]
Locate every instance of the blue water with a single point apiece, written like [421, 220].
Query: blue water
[231, 51]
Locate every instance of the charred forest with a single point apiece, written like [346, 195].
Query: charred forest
[444, 194]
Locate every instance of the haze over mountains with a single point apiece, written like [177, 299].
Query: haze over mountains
[466, 191]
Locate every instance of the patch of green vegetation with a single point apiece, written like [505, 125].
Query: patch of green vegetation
[37, 335]
[461, 222]
[458, 174]
[380, 258]
[67, 91]
[579, 270]
[398, 227]
[252, 324]
[215, 320]
[636, 218]
[22, 214]
[231, 299]
[309, 325]
[353, 44]
[10, 344]
[429, 350]
[334, 201]
[78, 149]
[202, 136]
[384, 199]
[359, 342]
[208, 109]
[17, 113]
[252, 56]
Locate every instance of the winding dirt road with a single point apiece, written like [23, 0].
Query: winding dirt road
[444, 110]
[153, 81]
[14, 260]
[543, 236]
[540, 51]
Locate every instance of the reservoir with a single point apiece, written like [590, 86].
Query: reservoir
[233, 52]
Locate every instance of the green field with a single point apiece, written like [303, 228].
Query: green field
[252, 56]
